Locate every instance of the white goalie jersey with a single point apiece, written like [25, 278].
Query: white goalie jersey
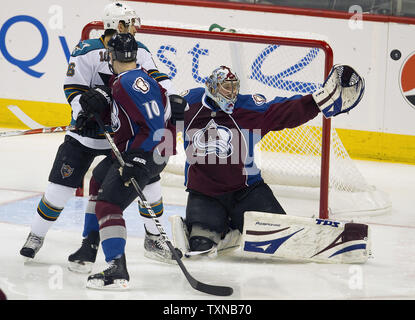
[88, 67]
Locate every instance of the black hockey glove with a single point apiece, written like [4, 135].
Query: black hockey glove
[96, 100]
[86, 126]
[135, 166]
[178, 106]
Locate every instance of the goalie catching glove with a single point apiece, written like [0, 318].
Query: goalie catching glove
[341, 91]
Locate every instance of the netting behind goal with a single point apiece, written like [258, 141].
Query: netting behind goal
[305, 162]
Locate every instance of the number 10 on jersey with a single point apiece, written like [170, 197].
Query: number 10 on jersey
[152, 109]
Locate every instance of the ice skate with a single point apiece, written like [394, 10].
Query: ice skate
[32, 246]
[156, 248]
[115, 277]
[82, 260]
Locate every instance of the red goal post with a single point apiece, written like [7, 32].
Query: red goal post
[222, 38]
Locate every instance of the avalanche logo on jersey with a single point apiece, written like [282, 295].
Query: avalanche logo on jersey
[259, 99]
[115, 121]
[213, 138]
[141, 85]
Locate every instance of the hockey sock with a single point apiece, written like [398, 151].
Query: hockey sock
[113, 248]
[50, 207]
[91, 221]
[40, 226]
[149, 224]
[152, 192]
[112, 231]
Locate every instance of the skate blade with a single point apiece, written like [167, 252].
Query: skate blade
[97, 284]
[84, 267]
[154, 256]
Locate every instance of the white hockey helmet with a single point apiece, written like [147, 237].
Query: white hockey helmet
[223, 87]
[116, 12]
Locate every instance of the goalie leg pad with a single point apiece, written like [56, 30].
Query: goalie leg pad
[230, 242]
[201, 232]
[304, 239]
[180, 238]
[180, 234]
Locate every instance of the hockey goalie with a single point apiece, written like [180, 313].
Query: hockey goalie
[229, 206]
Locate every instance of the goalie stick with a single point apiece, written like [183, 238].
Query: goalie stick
[36, 131]
[197, 285]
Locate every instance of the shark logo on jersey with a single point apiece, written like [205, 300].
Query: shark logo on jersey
[259, 99]
[80, 46]
[213, 138]
[115, 121]
[141, 85]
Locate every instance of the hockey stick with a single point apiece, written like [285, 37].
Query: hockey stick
[35, 131]
[197, 285]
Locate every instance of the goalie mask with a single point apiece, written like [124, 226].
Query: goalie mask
[223, 87]
[122, 47]
[116, 12]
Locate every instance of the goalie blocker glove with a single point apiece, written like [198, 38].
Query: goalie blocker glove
[342, 91]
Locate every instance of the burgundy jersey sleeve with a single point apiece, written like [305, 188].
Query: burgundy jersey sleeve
[255, 113]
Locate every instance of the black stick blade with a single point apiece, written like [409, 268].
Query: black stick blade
[213, 290]
[203, 287]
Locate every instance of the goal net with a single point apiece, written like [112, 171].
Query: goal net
[308, 162]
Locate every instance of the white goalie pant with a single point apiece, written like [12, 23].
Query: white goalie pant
[275, 236]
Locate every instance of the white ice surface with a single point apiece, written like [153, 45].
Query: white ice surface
[24, 167]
